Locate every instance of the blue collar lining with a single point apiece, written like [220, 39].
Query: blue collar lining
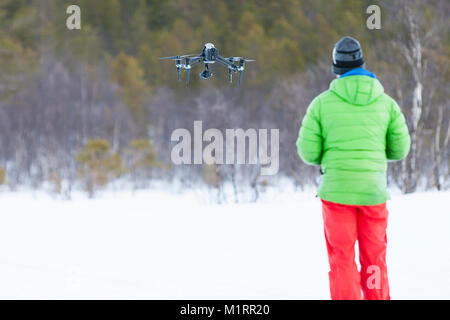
[358, 72]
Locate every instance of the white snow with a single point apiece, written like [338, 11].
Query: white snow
[159, 245]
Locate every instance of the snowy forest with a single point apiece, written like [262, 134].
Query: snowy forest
[81, 109]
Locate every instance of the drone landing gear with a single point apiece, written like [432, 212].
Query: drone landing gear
[236, 68]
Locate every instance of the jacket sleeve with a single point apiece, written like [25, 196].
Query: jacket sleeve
[309, 141]
[398, 140]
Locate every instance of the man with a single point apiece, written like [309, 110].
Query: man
[351, 131]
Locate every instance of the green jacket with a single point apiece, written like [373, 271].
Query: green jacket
[351, 130]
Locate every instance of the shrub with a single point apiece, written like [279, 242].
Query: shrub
[2, 176]
[98, 164]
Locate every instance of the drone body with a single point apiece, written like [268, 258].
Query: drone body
[209, 55]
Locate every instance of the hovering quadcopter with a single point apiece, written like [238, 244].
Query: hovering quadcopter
[209, 55]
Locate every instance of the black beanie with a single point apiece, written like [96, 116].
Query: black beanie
[347, 55]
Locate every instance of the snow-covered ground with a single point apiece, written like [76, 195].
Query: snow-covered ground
[160, 245]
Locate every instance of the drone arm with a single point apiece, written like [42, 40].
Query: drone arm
[192, 61]
[189, 62]
[226, 62]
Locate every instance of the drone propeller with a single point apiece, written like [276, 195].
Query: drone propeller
[240, 58]
[176, 57]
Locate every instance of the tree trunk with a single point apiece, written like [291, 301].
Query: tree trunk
[413, 55]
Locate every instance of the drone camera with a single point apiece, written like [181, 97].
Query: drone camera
[206, 74]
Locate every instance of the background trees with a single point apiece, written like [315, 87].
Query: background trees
[97, 164]
[60, 89]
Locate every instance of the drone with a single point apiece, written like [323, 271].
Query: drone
[209, 55]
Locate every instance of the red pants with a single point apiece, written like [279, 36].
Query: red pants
[344, 224]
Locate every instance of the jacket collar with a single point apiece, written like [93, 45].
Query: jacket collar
[358, 72]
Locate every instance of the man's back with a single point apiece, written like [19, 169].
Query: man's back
[351, 130]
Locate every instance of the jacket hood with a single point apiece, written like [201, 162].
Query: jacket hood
[357, 89]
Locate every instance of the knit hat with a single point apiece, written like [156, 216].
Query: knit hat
[347, 55]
